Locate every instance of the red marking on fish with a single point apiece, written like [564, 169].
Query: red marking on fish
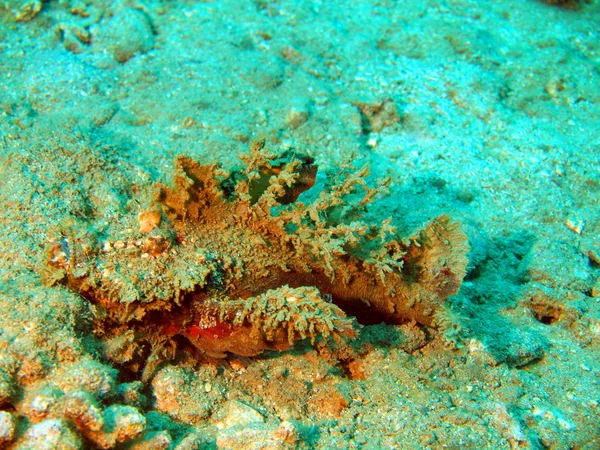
[221, 329]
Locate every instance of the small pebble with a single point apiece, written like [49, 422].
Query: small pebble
[124, 422]
[148, 221]
[596, 289]
[6, 387]
[158, 440]
[7, 428]
[84, 411]
[50, 434]
[576, 226]
[240, 414]
[89, 375]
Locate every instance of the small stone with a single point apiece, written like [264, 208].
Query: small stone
[237, 365]
[149, 220]
[240, 414]
[123, 35]
[121, 348]
[23, 10]
[131, 393]
[50, 434]
[378, 115]
[576, 226]
[7, 428]
[596, 288]
[153, 441]
[6, 387]
[180, 394]
[89, 375]
[552, 265]
[286, 432]
[594, 258]
[328, 402]
[40, 403]
[124, 422]
[34, 366]
[250, 438]
[84, 411]
[265, 73]
[258, 436]
[188, 122]
[191, 442]
[297, 114]
[520, 349]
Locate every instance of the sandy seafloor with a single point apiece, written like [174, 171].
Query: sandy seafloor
[491, 114]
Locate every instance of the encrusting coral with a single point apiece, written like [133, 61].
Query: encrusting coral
[234, 262]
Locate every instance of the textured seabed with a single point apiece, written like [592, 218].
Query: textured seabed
[488, 112]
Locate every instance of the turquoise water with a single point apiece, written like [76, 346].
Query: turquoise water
[483, 111]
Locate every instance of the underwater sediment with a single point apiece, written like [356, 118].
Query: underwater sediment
[220, 310]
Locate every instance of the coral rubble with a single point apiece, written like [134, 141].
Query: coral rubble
[236, 262]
